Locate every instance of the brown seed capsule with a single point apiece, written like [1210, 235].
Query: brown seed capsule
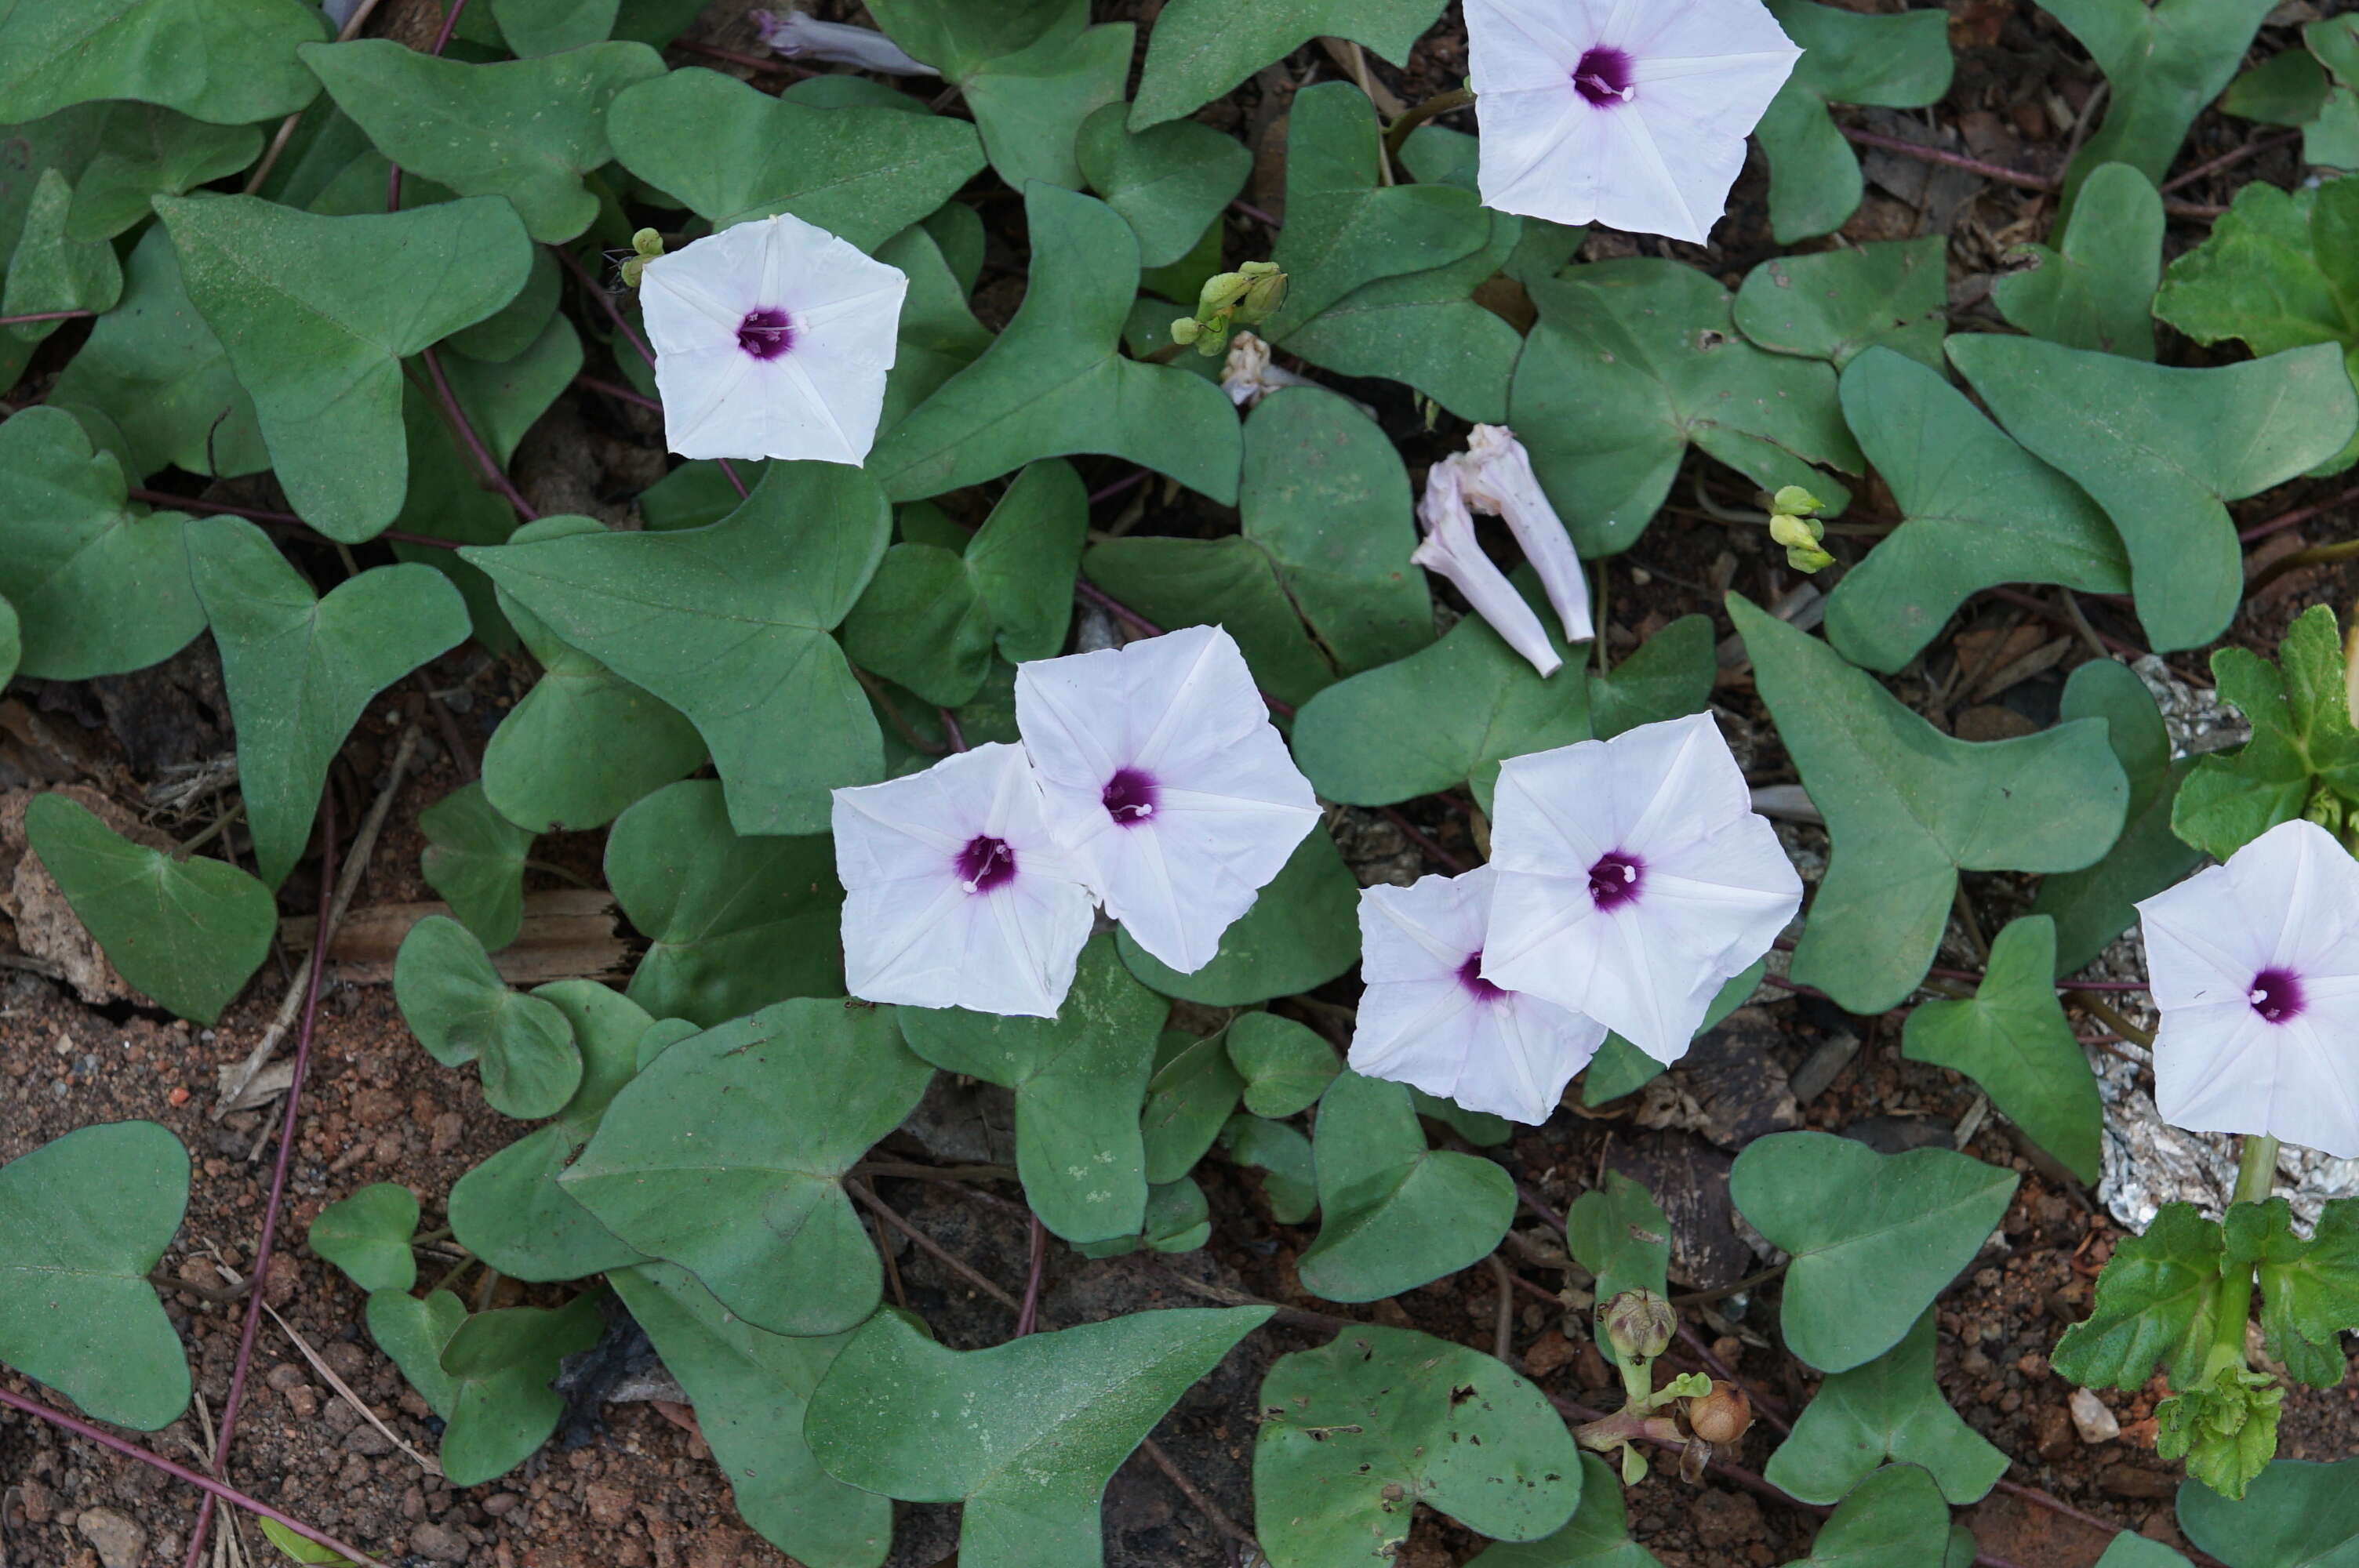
[1721, 1415]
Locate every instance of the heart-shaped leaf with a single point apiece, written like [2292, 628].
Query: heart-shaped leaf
[729, 625]
[1285, 1066]
[1894, 1518]
[1898, 62]
[1632, 360]
[2293, 1514]
[189, 932]
[734, 922]
[1395, 1214]
[2303, 740]
[1618, 1233]
[2131, 1550]
[1357, 1432]
[1598, 1537]
[413, 1333]
[1187, 1102]
[1874, 1236]
[2162, 448]
[727, 1155]
[101, 586]
[551, 27]
[2013, 1039]
[83, 1219]
[1908, 806]
[2095, 291]
[1835, 304]
[1301, 932]
[500, 1365]
[1168, 182]
[1977, 510]
[1056, 383]
[367, 1236]
[922, 623]
[462, 1011]
[1283, 1156]
[127, 153]
[959, 39]
[1024, 558]
[1029, 107]
[1079, 1079]
[300, 669]
[1200, 49]
[316, 315]
[938, 336]
[525, 129]
[149, 50]
[733, 153]
[751, 1391]
[1891, 1407]
[2154, 1304]
[51, 270]
[474, 858]
[1043, 1422]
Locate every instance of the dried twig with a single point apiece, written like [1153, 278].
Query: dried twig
[345, 1392]
[1187, 1489]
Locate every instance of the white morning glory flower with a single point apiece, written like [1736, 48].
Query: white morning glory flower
[1430, 1019]
[1178, 800]
[2254, 966]
[957, 893]
[1627, 112]
[800, 36]
[772, 339]
[1449, 549]
[1496, 475]
[1633, 880]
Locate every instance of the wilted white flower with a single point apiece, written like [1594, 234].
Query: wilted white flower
[1633, 880]
[1176, 799]
[1248, 375]
[1450, 549]
[799, 36]
[1430, 1019]
[772, 339]
[2254, 966]
[957, 893]
[1496, 475]
[1627, 112]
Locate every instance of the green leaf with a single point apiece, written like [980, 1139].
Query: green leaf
[1395, 1214]
[1357, 1432]
[2154, 1304]
[229, 62]
[100, 585]
[1055, 382]
[2166, 63]
[734, 924]
[727, 1156]
[1170, 183]
[2226, 1430]
[1598, 1537]
[2293, 1514]
[1187, 1102]
[2093, 906]
[551, 27]
[189, 933]
[118, 154]
[302, 1549]
[1479, 1127]
[729, 625]
[52, 270]
[2276, 273]
[2096, 291]
[474, 858]
[510, 1211]
[1892, 1408]
[500, 1365]
[751, 1391]
[1834, 305]
[1042, 1423]
[1179, 1219]
[413, 1333]
[1874, 1236]
[318, 313]
[1632, 360]
[1898, 62]
[1619, 1234]
[1285, 1066]
[504, 400]
[367, 1236]
[1302, 931]
[731, 152]
[83, 1219]
[300, 669]
[1079, 1079]
[2310, 1287]
[462, 1011]
[2131, 1550]
[922, 624]
[1283, 1156]
[526, 129]
[959, 39]
[1894, 1518]
[2013, 1039]
[446, 500]
[1200, 49]
[11, 642]
[2302, 739]
[1024, 556]
[1029, 107]
[1908, 807]
[153, 367]
[2287, 88]
[938, 336]
[519, 323]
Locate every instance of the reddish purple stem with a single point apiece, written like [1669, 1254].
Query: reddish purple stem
[1027, 1317]
[474, 443]
[278, 519]
[45, 316]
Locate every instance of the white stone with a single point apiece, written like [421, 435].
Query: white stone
[2092, 1420]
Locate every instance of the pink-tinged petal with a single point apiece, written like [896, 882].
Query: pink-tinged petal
[1175, 798]
[1496, 476]
[799, 36]
[1449, 549]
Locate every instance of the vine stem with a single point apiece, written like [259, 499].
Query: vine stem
[1997, 172]
[211, 1487]
[1440, 103]
[45, 316]
[1027, 1317]
[278, 519]
[473, 442]
[2298, 516]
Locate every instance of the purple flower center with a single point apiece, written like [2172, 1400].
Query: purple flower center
[2276, 995]
[1615, 879]
[765, 333]
[1130, 797]
[1602, 77]
[986, 863]
[1470, 975]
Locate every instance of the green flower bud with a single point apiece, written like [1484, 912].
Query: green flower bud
[1265, 295]
[1184, 329]
[645, 246]
[1795, 502]
[1222, 291]
[1640, 1325]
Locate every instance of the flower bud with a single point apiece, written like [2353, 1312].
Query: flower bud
[1185, 330]
[1221, 292]
[1264, 295]
[1720, 1416]
[1793, 500]
[1640, 1325]
[645, 246]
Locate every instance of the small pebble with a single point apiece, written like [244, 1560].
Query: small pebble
[2092, 1420]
